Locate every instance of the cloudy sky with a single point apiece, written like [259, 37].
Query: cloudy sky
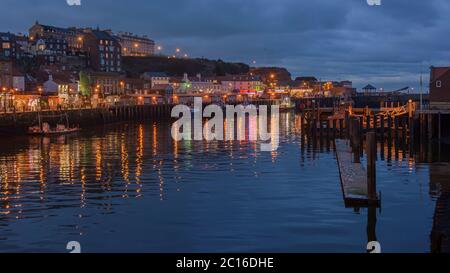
[386, 46]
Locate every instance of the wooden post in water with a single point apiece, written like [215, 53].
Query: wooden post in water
[302, 124]
[382, 128]
[371, 152]
[396, 128]
[439, 127]
[328, 129]
[356, 140]
[314, 127]
[389, 125]
[430, 126]
[404, 130]
[341, 128]
[361, 124]
[375, 123]
[347, 123]
[334, 128]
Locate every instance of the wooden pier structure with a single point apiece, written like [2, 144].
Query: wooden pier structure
[358, 183]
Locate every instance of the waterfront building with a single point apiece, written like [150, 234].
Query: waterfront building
[63, 86]
[303, 86]
[440, 88]
[244, 84]
[107, 83]
[6, 74]
[22, 45]
[7, 45]
[66, 40]
[26, 101]
[103, 50]
[134, 45]
[135, 86]
[18, 81]
[156, 78]
[12, 46]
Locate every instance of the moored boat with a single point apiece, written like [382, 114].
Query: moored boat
[44, 128]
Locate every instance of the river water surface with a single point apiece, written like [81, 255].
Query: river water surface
[129, 187]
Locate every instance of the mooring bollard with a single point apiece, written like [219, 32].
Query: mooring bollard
[371, 150]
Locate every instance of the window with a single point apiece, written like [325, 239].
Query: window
[438, 84]
[6, 45]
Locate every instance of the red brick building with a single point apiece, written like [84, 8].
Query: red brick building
[440, 87]
[104, 51]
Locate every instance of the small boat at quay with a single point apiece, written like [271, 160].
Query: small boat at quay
[44, 128]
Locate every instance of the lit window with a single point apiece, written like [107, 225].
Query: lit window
[6, 45]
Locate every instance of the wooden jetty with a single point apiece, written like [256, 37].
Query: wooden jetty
[356, 188]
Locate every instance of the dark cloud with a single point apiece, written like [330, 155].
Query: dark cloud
[333, 39]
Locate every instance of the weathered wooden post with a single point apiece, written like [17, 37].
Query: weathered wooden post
[334, 128]
[371, 151]
[356, 140]
[320, 128]
[341, 128]
[347, 122]
[389, 125]
[439, 127]
[367, 123]
[302, 124]
[328, 129]
[382, 128]
[361, 124]
[430, 126]
[375, 122]
[404, 130]
[396, 128]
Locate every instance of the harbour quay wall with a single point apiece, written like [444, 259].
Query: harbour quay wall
[19, 122]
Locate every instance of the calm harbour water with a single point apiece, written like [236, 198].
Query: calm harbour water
[131, 188]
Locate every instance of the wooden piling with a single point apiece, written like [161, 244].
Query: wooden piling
[334, 128]
[371, 151]
[396, 128]
[356, 140]
[389, 127]
[439, 127]
[367, 123]
[430, 126]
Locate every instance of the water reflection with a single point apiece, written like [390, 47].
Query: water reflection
[237, 192]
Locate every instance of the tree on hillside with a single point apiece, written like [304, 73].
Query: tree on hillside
[85, 84]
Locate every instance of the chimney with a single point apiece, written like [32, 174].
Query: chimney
[199, 77]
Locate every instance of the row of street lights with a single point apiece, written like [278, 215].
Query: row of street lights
[178, 53]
